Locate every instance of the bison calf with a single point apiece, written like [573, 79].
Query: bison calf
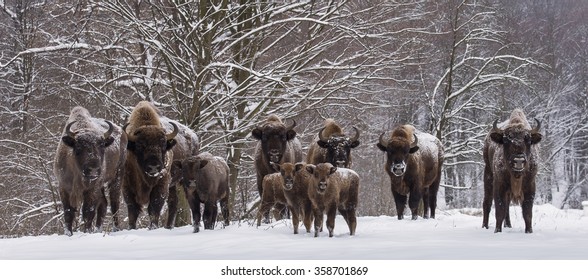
[333, 189]
[205, 179]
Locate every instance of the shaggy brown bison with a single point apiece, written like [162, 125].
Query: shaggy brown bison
[89, 157]
[413, 163]
[147, 167]
[278, 144]
[332, 145]
[510, 155]
[205, 179]
[272, 196]
[333, 189]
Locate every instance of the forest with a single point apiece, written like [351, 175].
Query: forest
[221, 67]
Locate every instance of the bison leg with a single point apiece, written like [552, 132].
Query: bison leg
[295, 218]
[528, 211]
[413, 202]
[331, 214]
[89, 211]
[172, 207]
[507, 223]
[101, 211]
[318, 220]
[426, 200]
[400, 201]
[68, 214]
[194, 202]
[307, 213]
[156, 201]
[501, 205]
[487, 203]
[348, 213]
[210, 213]
[114, 195]
[134, 210]
[224, 204]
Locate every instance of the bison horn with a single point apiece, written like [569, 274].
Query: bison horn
[291, 126]
[321, 137]
[381, 140]
[110, 130]
[356, 136]
[495, 126]
[415, 142]
[68, 130]
[536, 129]
[174, 133]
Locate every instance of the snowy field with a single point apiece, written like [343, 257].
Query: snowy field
[455, 235]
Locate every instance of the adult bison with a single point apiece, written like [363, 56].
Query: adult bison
[277, 144]
[147, 167]
[89, 157]
[413, 162]
[510, 155]
[332, 145]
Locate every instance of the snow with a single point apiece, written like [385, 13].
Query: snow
[455, 236]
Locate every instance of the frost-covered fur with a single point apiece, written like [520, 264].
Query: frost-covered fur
[332, 145]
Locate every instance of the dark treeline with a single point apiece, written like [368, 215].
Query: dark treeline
[220, 67]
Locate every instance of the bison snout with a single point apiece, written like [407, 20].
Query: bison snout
[398, 169]
[275, 155]
[153, 170]
[288, 184]
[91, 173]
[340, 163]
[518, 163]
[322, 187]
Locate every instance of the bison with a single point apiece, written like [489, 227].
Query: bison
[289, 186]
[147, 167]
[413, 163]
[277, 144]
[510, 157]
[332, 145]
[89, 157]
[273, 196]
[333, 189]
[205, 179]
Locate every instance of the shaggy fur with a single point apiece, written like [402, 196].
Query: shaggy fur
[333, 189]
[510, 155]
[413, 163]
[332, 145]
[205, 179]
[88, 159]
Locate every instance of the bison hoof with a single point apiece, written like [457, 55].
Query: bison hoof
[529, 230]
[497, 230]
[196, 229]
[68, 232]
[153, 226]
[414, 217]
[400, 217]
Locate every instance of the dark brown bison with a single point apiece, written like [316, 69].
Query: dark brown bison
[89, 157]
[510, 155]
[332, 145]
[277, 143]
[413, 163]
[205, 179]
[147, 167]
[187, 145]
[333, 189]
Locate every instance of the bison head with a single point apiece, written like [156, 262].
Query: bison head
[338, 147]
[189, 168]
[320, 175]
[274, 138]
[150, 144]
[397, 151]
[88, 149]
[516, 142]
[287, 170]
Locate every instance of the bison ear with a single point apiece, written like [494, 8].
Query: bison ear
[413, 149]
[354, 144]
[381, 147]
[170, 144]
[333, 170]
[497, 137]
[203, 163]
[275, 166]
[108, 141]
[536, 137]
[131, 145]
[310, 168]
[68, 140]
[257, 133]
[298, 166]
[290, 134]
[322, 144]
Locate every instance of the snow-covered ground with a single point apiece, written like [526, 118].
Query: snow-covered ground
[454, 235]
